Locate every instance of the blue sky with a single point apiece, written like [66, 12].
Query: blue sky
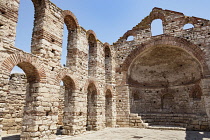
[110, 19]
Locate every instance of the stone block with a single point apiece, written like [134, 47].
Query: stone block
[33, 128]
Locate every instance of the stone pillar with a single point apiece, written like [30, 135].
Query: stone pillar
[205, 85]
[47, 31]
[40, 113]
[3, 94]
[8, 21]
[1, 117]
[123, 105]
[100, 114]
[68, 112]
[74, 117]
[113, 108]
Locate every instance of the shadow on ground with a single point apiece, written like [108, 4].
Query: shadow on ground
[15, 137]
[197, 135]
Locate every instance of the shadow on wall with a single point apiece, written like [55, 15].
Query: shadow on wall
[197, 135]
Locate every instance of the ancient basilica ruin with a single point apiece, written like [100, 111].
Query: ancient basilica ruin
[150, 80]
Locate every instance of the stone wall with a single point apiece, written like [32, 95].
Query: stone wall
[43, 110]
[148, 79]
[103, 84]
[187, 99]
[15, 103]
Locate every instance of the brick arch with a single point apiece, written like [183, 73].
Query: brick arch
[68, 15]
[23, 60]
[89, 82]
[38, 3]
[92, 52]
[106, 45]
[69, 83]
[65, 74]
[188, 20]
[187, 46]
[109, 87]
[192, 20]
[157, 13]
[129, 33]
[89, 32]
[108, 93]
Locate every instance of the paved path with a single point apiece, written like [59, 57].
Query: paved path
[139, 134]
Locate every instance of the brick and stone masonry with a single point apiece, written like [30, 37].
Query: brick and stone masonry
[150, 80]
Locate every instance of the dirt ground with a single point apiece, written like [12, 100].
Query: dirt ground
[142, 134]
[132, 134]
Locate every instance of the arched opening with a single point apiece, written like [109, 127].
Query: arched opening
[156, 27]
[160, 80]
[108, 108]
[72, 40]
[108, 65]
[23, 32]
[21, 93]
[92, 55]
[66, 104]
[167, 103]
[61, 108]
[91, 107]
[16, 69]
[188, 26]
[135, 101]
[196, 93]
[64, 47]
[130, 38]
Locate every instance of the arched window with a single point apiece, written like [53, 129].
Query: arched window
[196, 93]
[156, 27]
[168, 102]
[108, 65]
[136, 96]
[108, 108]
[64, 47]
[16, 69]
[92, 54]
[130, 38]
[188, 26]
[22, 85]
[71, 25]
[91, 107]
[66, 104]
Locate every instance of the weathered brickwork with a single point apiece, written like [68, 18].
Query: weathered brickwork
[128, 84]
[15, 104]
[152, 80]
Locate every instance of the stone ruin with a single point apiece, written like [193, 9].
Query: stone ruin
[150, 80]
